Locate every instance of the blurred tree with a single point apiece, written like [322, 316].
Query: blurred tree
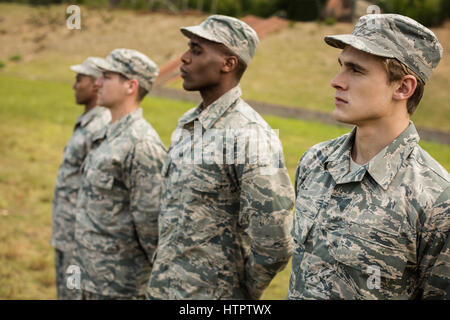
[427, 12]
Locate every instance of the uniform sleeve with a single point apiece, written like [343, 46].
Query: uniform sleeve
[145, 193]
[94, 127]
[266, 203]
[435, 251]
[302, 169]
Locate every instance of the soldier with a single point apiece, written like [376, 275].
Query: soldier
[372, 208]
[225, 217]
[118, 203]
[68, 182]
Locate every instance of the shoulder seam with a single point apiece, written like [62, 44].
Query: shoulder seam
[419, 160]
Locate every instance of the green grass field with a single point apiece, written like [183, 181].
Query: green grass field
[36, 121]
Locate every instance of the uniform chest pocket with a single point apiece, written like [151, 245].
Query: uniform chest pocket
[98, 242]
[100, 179]
[73, 156]
[205, 180]
[369, 250]
[314, 192]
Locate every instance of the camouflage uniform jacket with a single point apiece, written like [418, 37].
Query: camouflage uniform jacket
[381, 232]
[117, 209]
[68, 181]
[224, 228]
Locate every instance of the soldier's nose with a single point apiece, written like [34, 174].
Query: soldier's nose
[185, 58]
[337, 82]
[99, 81]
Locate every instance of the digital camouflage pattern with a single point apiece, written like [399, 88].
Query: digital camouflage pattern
[132, 64]
[391, 216]
[68, 180]
[87, 295]
[63, 259]
[394, 36]
[235, 34]
[118, 206]
[65, 194]
[224, 227]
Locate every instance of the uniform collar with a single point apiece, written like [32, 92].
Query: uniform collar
[385, 165]
[338, 163]
[121, 124]
[189, 116]
[213, 112]
[382, 168]
[86, 117]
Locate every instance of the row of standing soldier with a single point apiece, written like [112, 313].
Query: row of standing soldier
[371, 207]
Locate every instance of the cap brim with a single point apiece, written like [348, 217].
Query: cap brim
[197, 31]
[78, 69]
[363, 44]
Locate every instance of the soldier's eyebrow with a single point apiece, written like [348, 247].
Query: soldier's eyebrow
[194, 44]
[107, 73]
[352, 65]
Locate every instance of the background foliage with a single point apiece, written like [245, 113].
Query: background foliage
[427, 12]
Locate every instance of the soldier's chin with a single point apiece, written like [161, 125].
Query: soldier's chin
[103, 104]
[100, 101]
[189, 87]
[342, 118]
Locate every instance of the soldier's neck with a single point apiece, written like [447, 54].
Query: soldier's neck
[212, 93]
[121, 111]
[370, 139]
[90, 105]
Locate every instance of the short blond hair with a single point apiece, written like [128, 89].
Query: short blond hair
[396, 71]
[142, 92]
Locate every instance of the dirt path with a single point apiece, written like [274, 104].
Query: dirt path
[292, 113]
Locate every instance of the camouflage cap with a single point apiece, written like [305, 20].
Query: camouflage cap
[88, 67]
[394, 36]
[131, 64]
[235, 34]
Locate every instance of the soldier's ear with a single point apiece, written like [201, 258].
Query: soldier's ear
[133, 86]
[230, 64]
[405, 88]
